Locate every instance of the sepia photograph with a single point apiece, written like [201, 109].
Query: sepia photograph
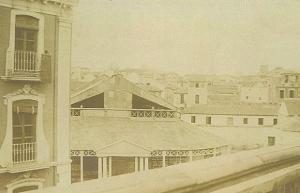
[150, 96]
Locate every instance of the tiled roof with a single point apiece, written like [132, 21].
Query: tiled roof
[293, 106]
[97, 132]
[233, 109]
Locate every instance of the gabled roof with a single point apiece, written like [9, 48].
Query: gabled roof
[233, 109]
[292, 106]
[98, 132]
[117, 82]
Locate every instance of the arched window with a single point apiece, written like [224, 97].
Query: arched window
[25, 184]
[25, 188]
[26, 33]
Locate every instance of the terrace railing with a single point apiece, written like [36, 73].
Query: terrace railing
[24, 152]
[133, 113]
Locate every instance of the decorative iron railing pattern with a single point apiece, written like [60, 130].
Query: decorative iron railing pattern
[134, 113]
[25, 61]
[153, 113]
[24, 152]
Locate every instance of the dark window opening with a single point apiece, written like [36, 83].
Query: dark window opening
[181, 98]
[281, 93]
[245, 121]
[193, 119]
[155, 162]
[292, 93]
[96, 101]
[141, 103]
[271, 141]
[26, 33]
[75, 169]
[275, 121]
[90, 168]
[197, 99]
[260, 121]
[122, 165]
[208, 120]
[24, 121]
[197, 85]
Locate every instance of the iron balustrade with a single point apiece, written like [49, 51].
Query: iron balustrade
[25, 61]
[134, 113]
[24, 152]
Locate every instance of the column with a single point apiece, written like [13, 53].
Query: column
[109, 166]
[100, 173]
[136, 164]
[164, 161]
[81, 168]
[190, 156]
[141, 164]
[146, 163]
[104, 165]
[62, 56]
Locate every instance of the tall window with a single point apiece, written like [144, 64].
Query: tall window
[197, 85]
[193, 119]
[245, 121]
[281, 94]
[26, 33]
[208, 120]
[24, 131]
[197, 99]
[274, 121]
[260, 121]
[181, 98]
[24, 121]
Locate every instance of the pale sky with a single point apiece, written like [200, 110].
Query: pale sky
[187, 36]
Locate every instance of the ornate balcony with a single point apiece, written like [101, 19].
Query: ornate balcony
[28, 66]
[132, 113]
[24, 152]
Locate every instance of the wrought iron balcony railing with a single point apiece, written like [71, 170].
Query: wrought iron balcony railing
[24, 152]
[133, 113]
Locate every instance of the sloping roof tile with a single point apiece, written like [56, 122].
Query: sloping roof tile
[97, 132]
[293, 106]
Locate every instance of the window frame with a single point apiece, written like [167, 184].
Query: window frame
[260, 121]
[193, 119]
[245, 121]
[40, 38]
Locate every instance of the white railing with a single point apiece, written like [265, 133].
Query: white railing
[134, 113]
[153, 113]
[25, 61]
[24, 152]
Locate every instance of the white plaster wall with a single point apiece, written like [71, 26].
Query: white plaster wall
[221, 120]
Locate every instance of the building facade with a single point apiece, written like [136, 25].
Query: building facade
[232, 115]
[35, 52]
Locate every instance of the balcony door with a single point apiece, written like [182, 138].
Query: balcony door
[24, 131]
[26, 33]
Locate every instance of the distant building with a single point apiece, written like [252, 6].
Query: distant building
[255, 92]
[289, 86]
[119, 127]
[35, 52]
[241, 115]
